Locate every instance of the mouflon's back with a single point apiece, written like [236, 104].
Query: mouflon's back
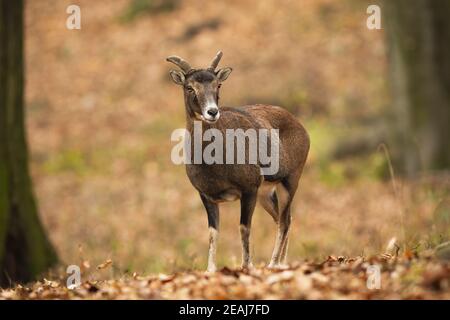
[293, 137]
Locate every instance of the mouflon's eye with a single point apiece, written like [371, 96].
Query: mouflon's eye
[218, 87]
[190, 89]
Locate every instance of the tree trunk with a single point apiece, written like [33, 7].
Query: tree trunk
[24, 248]
[418, 36]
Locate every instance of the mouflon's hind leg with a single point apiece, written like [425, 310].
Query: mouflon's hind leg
[282, 233]
[268, 199]
[212, 209]
[283, 258]
[248, 202]
[288, 188]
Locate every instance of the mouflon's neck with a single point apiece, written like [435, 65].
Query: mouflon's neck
[190, 115]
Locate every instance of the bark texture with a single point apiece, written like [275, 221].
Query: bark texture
[418, 36]
[24, 248]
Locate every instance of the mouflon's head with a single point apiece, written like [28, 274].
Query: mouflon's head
[200, 86]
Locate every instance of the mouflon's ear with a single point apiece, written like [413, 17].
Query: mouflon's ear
[177, 77]
[223, 74]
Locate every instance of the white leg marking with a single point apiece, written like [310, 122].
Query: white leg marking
[283, 259]
[213, 235]
[275, 260]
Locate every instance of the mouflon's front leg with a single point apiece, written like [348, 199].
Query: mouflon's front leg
[248, 202]
[212, 210]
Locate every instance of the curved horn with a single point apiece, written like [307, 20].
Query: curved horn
[215, 61]
[186, 67]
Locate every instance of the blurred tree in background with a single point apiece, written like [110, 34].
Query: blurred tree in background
[24, 248]
[418, 35]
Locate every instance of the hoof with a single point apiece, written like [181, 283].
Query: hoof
[247, 266]
[276, 266]
[211, 269]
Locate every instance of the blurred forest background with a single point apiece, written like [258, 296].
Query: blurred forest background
[100, 111]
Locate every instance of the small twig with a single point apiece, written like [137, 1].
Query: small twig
[396, 191]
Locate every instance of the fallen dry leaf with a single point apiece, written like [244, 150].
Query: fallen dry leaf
[104, 265]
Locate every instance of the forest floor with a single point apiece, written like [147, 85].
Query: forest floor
[406, 277]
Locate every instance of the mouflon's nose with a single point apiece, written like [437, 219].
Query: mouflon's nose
[212, 112]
